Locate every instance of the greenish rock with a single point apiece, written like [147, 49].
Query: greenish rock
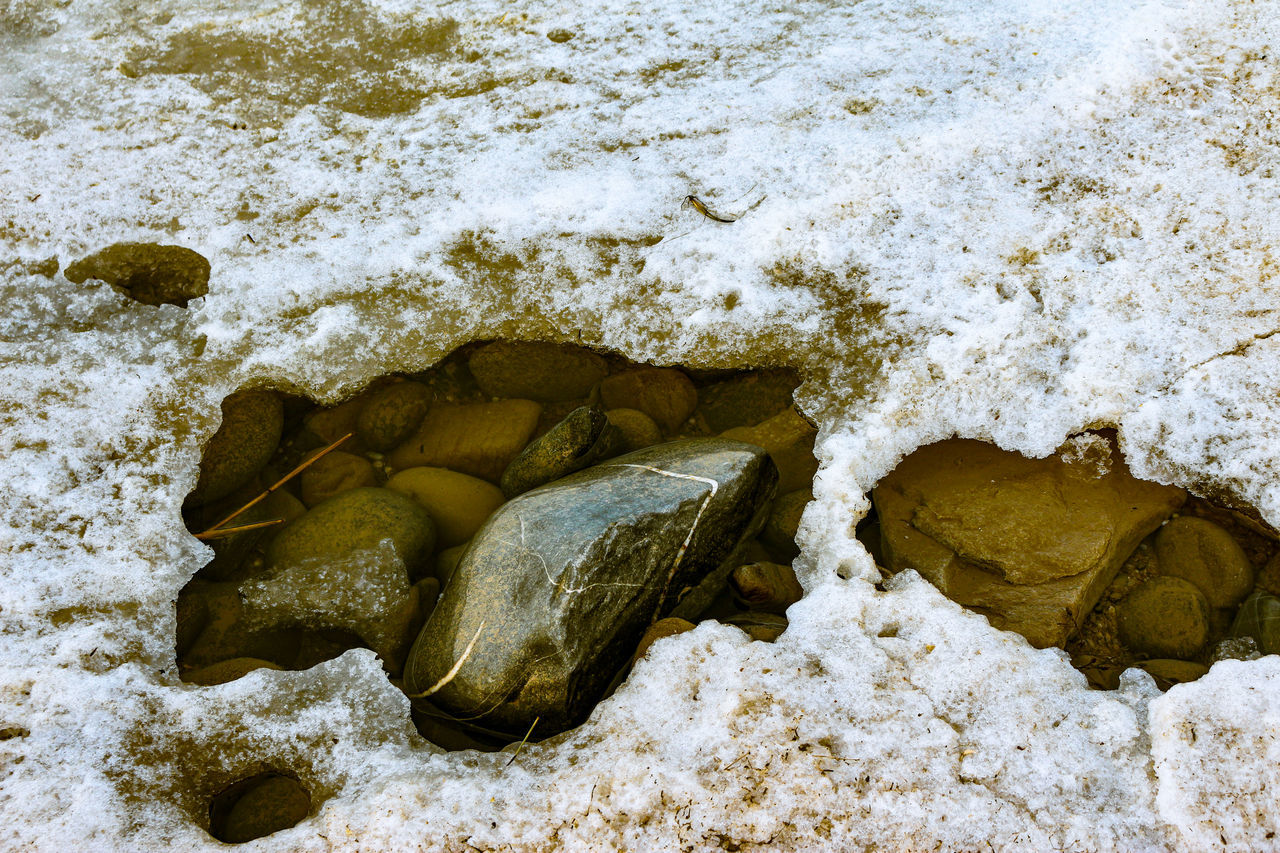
[334, 473]
[536, 370]
[583, 438]
[663, 393]
[745, 400]
[767, 587]
[556, 590]
[784, 521]
[1204, 553]
[1165, 618]
[1259, 618]
[759, 625]
[638, 429]
[356, 520]
[392, 414]
[250, 432]
[262, 805]
[1169, 672]
[147, 272]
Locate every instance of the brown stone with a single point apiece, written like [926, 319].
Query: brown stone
[249, 434]
[1197, 550]
[745, 400]
[638, 429]
[1168, 672]
[150, 273]
[761, 626]
[668, 627]
[767, 587]
[780, 530]
[789, 439]
[1165, 618]
[1032, 543]
[333, 474]
[663, 393]
[479, 439]
[265, 804]
[457, 503]
[536, 370]
[392, 413]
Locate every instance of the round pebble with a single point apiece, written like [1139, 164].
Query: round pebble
[1197, 550]
[392, 414]
[662, 393]
[357, 519]
[333, 474]
[267, 803]
[638, 429]
[458, 503]
[1164, 618]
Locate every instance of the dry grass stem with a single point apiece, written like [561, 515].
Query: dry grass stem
[218, 530]
[216, 533]
[525, 740]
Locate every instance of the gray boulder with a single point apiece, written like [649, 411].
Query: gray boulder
[560, 584]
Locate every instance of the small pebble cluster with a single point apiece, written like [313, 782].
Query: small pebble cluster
[359, 515]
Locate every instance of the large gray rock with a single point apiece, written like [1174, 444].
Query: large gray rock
[560, 584]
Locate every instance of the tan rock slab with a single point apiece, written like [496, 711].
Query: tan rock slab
[1031, 543]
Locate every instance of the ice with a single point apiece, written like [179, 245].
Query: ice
[1008, 220]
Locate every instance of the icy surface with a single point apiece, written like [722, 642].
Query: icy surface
[1003, 220]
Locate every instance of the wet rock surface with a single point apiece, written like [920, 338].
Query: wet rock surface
[558, 587]
[1032, 543]
[150, 273]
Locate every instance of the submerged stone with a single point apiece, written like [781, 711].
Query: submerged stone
[1032, 543]
[1164, 618]
[556, 590]
[265, 804]
[479, 439]
[249, 434]
[457, 503]
[1204, 553]
[536, 370]
[391, 414]
[1259, 618]
[147, 272]
[663, 393]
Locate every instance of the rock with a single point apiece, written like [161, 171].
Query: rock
[330, 424]
[1235, 648]
[638, 430]
[362, 590]
[1259, 618]
[147, 272]
[447, 562]
[557, 588]
[1268, 580]
[780, 530]
[765, 627]
[334, 473]
[233, 555]
[1031, 543]
[250, 432]
[662, 393]
[192, 616]
[227, 670]
[1170, 672]
[668, 627]
[392, 414]
[745, 400]
[356, 520]
[226, 635]
[1165, 618]
[479, 439]
[1197, 550]
[767, 587]
[789, 439]
[583, 438]
[265, 804]
[535, 370]
[458, 503]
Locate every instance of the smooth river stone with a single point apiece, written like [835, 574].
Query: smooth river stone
[479, 439]
[560, 584]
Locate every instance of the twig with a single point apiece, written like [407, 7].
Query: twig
[523, 741]
[230, 531]
[216, 529]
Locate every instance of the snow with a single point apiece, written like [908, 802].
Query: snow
[1008, 221]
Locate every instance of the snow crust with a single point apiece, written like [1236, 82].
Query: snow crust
[1008, 221]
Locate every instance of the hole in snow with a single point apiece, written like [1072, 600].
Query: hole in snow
[509, 530]
[1073, 551]
[258, 806]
